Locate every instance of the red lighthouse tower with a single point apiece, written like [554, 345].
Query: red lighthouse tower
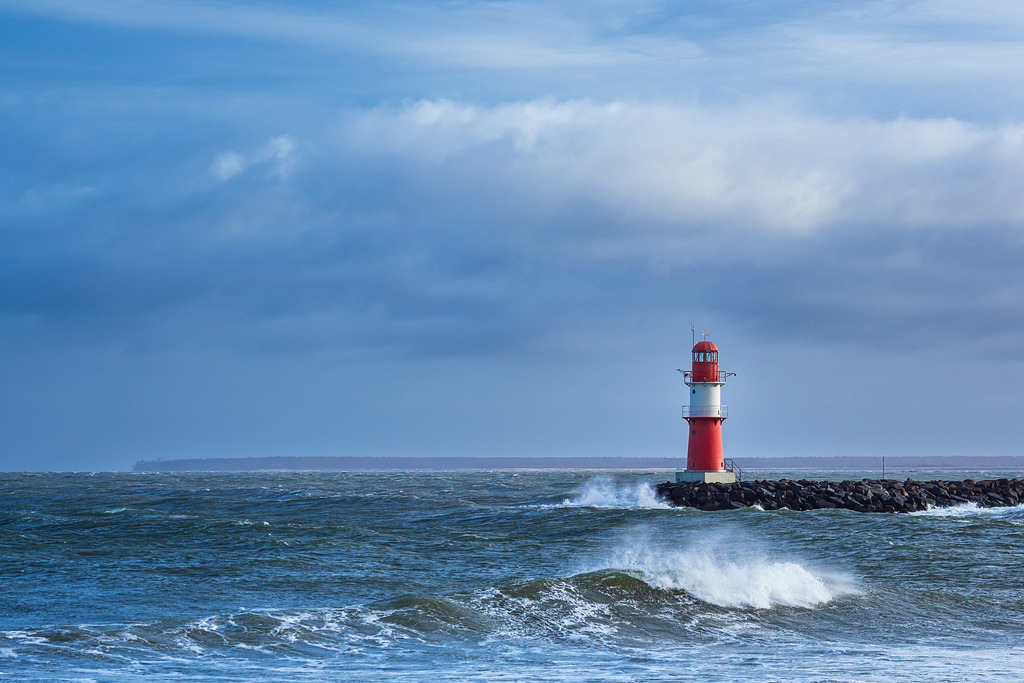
[705, 460]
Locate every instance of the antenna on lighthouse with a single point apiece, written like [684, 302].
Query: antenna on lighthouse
[693, 334]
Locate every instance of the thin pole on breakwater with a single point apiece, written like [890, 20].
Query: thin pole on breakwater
[883, 466]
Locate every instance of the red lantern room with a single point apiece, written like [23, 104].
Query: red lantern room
[705, 362]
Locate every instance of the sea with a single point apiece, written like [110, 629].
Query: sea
[493, 576]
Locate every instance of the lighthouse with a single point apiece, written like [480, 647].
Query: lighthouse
[705, 459]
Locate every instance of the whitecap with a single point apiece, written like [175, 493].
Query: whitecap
[971, 510]
[605, 493]
[738, 577]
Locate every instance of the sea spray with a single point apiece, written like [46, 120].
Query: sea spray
[603, 492]
[721, 570]
[972, 510]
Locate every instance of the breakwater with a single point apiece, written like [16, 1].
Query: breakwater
[866, 495]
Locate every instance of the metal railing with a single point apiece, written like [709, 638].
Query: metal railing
[731, 466]
[705, 411]
[722, 375]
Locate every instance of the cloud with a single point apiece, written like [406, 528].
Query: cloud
[277, 155]
[785, 222]
[760, 167]
[227, 165]
[518, 34]
[877, 41]
[537, 227]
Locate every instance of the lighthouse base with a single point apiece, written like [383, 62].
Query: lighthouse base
[707, 476]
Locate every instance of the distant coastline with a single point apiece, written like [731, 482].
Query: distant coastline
[422, 464]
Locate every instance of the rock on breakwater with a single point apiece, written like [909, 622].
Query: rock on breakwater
[866, 495]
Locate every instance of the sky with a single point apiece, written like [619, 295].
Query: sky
[485, 228]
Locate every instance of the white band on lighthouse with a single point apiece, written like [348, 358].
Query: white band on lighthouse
[706, 399]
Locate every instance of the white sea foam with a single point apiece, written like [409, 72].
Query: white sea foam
[728, 574]
[557, 611]
[972, 510]
[606, 493]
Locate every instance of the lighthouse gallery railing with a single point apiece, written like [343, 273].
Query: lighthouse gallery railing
[722, 376]
[706, 411]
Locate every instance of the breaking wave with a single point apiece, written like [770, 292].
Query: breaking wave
[971, 510]
[738, 578]
[605, 493]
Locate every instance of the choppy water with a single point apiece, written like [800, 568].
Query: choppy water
[491, 576]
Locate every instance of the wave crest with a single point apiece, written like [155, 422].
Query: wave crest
[1013, 513]
[737, 580]
[605, 493]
